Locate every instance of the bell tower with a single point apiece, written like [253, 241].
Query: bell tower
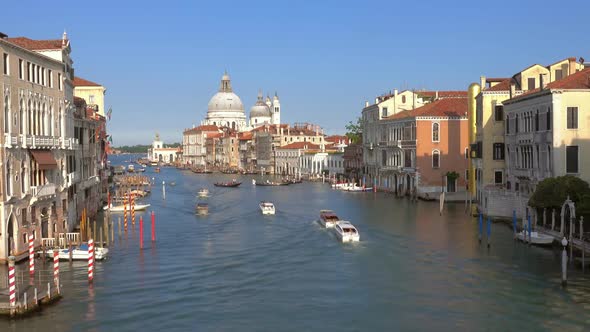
[276, 110]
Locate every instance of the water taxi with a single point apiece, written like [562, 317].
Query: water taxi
[202, 209]
[203, 192]
[346, 232]
[267, 207]
[120, 208]
[328, 218]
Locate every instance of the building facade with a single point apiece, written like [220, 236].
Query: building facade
[92, 93]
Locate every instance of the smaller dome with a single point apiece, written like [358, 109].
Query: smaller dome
[260, 109]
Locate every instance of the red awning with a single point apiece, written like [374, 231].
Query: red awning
[44, 158]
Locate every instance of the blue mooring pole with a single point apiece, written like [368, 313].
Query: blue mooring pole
[514, 222]
[530, 230]
[480, 227]
[489, 230]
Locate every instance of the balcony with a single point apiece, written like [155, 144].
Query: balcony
[43, 192]
[523, 173]
[91, 181]
[11, 140]
[71, 179]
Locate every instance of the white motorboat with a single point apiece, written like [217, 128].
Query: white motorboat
[202, 209]
[346, 232]
[130, 168]
[203, 192]
[535, 238]
[342, 185]
[356, 188]
[328, 218]
[267, 208]
[79, 253]
[120, 208]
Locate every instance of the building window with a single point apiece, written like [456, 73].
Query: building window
[435, 132]
[572, 118]
[558, 74]
[537, 121]
[435, 159]
[499, 112]
[59, 85]
[403, 99]
[384, 112]
[498, 177]
[516, 186]
[21, 69]
[498, 151]
[549, 118]
[50, 76]
[29, 71]
[571, 159]
[5, 57]
[508, 186]
[531, 83]
[466, 153]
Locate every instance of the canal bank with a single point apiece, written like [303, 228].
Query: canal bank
[235, 269]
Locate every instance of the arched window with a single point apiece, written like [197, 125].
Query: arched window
[22, 177]
[8, 180]
[435, 159]
[403, 99]
[435, 130]
[233, 125]
[22, 116]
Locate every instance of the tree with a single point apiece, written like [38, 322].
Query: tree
[354, 131]
[552, 192]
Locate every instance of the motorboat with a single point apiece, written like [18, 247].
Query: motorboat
[328, 218]
[79, 253]
[341, 185]
[203, 192]
[138, 193]
[120, 208]
[157, 169]
[346, 232]
[202, 209]
[357, 189]
[267, 207]
[140, 170]
[231, 184]
[130, 168]
[535, 238]
[270, 183]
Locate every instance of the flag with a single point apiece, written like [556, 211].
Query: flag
[110, 111]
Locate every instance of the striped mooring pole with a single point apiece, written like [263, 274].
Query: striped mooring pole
[132, 204]
[56, 266]
[90, 260]
[31, 254]
[11, 281]
[125, 215]
[153, 227]
[140, 232]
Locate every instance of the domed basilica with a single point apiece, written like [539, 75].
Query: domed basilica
[226, 109]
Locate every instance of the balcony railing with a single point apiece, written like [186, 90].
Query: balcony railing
[91, 181]
[11, 140]
[44, 191]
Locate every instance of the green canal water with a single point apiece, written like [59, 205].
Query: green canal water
[238, 270]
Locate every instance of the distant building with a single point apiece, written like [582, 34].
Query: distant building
[194, 144]
[92, 93]
[158, 153]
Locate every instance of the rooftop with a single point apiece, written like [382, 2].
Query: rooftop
[78, 81]
[35, 45]
[448, 107]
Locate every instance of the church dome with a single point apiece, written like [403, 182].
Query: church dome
[260, 109]
[225, 100]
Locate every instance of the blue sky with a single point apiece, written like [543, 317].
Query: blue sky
[162, 63]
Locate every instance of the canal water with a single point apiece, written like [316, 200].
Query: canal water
[236, 269]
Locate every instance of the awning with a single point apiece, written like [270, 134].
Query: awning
[44, 158]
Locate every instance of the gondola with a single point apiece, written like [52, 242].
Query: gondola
[227, 184]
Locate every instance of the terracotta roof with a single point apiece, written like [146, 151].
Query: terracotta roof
[502, 86]
[336, 138]
[443, 94]
[578, 80]
[300, 145]
[214, 135]
[78, 81]
[245, 136]
[270, 127]
[201, 129]
[448, 107]
[24, 42]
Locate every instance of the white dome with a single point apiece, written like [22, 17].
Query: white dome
[260, 109]
[226, 101]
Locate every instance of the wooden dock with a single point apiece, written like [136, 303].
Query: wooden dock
[32, 293]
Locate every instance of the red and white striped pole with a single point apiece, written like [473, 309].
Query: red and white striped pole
[90, 260]
[31, 254]
[56, 266]
[125, 215]
[11, 281]
[132, 204]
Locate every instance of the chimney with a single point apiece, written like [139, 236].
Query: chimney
[288, 131]
[436, 95]
[377, 100]
[395, 93]
[542, 82]
[512, 89]
[366, 103]
[571, 65]
[482, 82]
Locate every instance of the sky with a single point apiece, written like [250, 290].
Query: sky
[162, 62]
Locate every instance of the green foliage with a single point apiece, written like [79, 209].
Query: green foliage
[552, 192]
[452, 176]
[354, 131]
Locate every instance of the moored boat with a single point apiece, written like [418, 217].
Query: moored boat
[328, 218]
[346, 232]
[203, 192]
[79, 253]
[267, 207]
[130, 168]
[269, 183]
[535, 238]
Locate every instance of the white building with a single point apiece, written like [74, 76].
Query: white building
[160, 154]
